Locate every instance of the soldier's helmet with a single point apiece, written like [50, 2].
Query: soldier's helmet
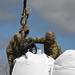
[50, 35]
[25, 29]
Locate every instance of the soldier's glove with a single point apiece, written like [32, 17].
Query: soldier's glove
[24, 48]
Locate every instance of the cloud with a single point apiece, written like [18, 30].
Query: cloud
[60, 13]
[7, 17]
[9, 10]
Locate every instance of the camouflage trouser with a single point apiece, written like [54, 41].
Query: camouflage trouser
[11, 65]
[11, 58]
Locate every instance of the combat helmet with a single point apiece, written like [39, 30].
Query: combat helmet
[50, 35]
[25, 28]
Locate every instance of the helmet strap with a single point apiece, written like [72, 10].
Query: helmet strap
[22, 34]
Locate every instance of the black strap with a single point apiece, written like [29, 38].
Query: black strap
[24, 5]
[25, 14]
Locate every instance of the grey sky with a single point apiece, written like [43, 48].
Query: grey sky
[9, 10]
[59, 12]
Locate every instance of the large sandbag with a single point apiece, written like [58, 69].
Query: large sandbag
[65, 63]
[33, 64]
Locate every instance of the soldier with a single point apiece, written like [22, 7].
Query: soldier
[14, 44]
[51, 48]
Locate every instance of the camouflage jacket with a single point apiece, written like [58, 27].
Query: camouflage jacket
[12, 49]
[52, 50]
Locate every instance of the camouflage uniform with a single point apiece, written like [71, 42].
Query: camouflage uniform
[13, 48]
[52, 49]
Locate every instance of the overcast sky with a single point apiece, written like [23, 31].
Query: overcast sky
[59, 12]
[54, 15]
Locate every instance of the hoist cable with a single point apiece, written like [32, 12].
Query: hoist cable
[24, 14]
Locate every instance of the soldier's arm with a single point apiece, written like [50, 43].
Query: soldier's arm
[56, 51]
[60, 51]
[37, 40]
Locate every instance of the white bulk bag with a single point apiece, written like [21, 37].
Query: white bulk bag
[33, 64]
[65, 63]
